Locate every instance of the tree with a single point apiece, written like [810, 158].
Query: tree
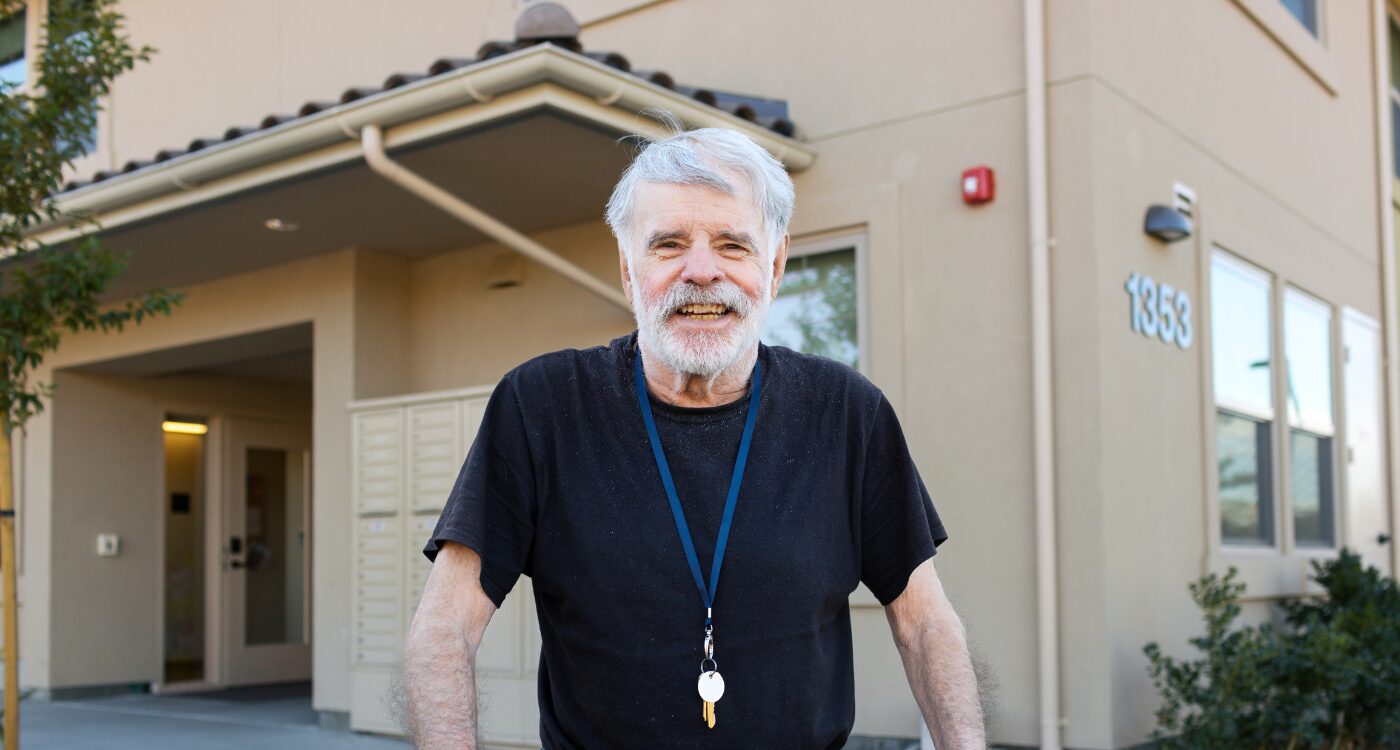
[47, 291]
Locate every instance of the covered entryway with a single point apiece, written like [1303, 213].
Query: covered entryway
[190, 468]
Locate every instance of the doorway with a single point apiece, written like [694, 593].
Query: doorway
[185, 524]
[237, 552]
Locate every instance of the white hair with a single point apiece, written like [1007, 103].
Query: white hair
[702, 157]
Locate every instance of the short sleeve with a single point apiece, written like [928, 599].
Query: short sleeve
[900, 528]
[491, 507]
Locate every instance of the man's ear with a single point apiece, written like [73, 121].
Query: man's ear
[779, 264]
[626, 272]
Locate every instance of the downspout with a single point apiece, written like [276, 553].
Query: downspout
[1037, 218]
[372, 142]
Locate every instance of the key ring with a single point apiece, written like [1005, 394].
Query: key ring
[715, 667]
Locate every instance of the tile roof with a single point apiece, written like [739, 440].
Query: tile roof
[534, 27]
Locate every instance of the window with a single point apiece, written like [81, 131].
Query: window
[1242, 373]
[1305, 11]
[1242, 326]
[1307, 330]
[1394, 97]
[13, 70]
[817, 309]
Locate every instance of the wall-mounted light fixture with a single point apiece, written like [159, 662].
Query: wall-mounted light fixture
[1166, 223]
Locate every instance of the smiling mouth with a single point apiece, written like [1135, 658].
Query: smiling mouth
[702, 312]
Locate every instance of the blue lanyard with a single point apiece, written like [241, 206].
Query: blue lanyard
[707, 595]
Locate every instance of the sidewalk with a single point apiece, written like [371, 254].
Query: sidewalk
[268, 717]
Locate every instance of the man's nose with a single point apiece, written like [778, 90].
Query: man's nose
[700, 265]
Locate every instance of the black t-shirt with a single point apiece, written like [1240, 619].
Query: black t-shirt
[561, 485]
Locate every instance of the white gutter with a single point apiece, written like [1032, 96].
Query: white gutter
[372, 140]
[477, 83]
[1038, 220]
[1385, 191]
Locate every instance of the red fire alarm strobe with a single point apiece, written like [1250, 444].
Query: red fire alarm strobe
[978, 185]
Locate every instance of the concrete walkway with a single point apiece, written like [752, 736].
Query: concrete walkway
[265, 717]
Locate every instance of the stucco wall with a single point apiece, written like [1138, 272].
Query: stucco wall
[464, 334]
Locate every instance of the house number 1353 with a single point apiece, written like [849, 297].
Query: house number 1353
[1159, 311]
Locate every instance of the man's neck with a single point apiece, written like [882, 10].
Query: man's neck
[690, 390]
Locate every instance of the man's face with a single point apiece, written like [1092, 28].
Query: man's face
[701, 277]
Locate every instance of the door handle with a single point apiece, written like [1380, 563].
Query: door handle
[1382, 538]
[235, 548]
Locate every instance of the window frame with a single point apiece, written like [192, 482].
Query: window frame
[1291, 291]
[825, 242]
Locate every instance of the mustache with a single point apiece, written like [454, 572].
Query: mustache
[684, 293]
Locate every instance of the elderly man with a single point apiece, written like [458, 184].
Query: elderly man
[622, 479]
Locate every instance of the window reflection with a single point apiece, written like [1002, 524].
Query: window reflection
[1240, 356]
[12, 67]
[1305, 11]
[1307, 330]
[1240, 331]
[1245, 491]
[1311, 474]
[816, 308]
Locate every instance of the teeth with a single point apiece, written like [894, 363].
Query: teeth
[702, 310]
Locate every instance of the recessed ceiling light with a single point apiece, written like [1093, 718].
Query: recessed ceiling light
[281, 225]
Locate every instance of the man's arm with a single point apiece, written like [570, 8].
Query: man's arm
[933, 646]
[440, 653]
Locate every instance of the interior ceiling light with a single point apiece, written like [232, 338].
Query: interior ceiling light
[185, 428]
[1166, 223]
[281, 225]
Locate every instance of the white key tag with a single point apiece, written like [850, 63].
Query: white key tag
[711, 686]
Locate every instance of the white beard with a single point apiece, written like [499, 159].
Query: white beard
[706, 354]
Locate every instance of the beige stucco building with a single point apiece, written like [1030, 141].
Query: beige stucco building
[340, 333]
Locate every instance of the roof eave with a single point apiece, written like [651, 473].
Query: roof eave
[481, 83]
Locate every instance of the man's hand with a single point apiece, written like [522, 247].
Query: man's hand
[440, 654]
[933, 646]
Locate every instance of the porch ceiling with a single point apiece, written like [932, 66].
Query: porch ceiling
[278, 353]
[535, 171]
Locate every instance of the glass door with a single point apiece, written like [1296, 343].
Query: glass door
[266, 553]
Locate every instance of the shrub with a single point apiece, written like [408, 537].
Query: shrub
[1329, 677]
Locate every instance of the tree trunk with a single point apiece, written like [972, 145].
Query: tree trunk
[7, 589]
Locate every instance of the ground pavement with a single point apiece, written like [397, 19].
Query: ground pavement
[269, 718]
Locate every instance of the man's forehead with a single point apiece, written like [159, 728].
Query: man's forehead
[685, 207]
